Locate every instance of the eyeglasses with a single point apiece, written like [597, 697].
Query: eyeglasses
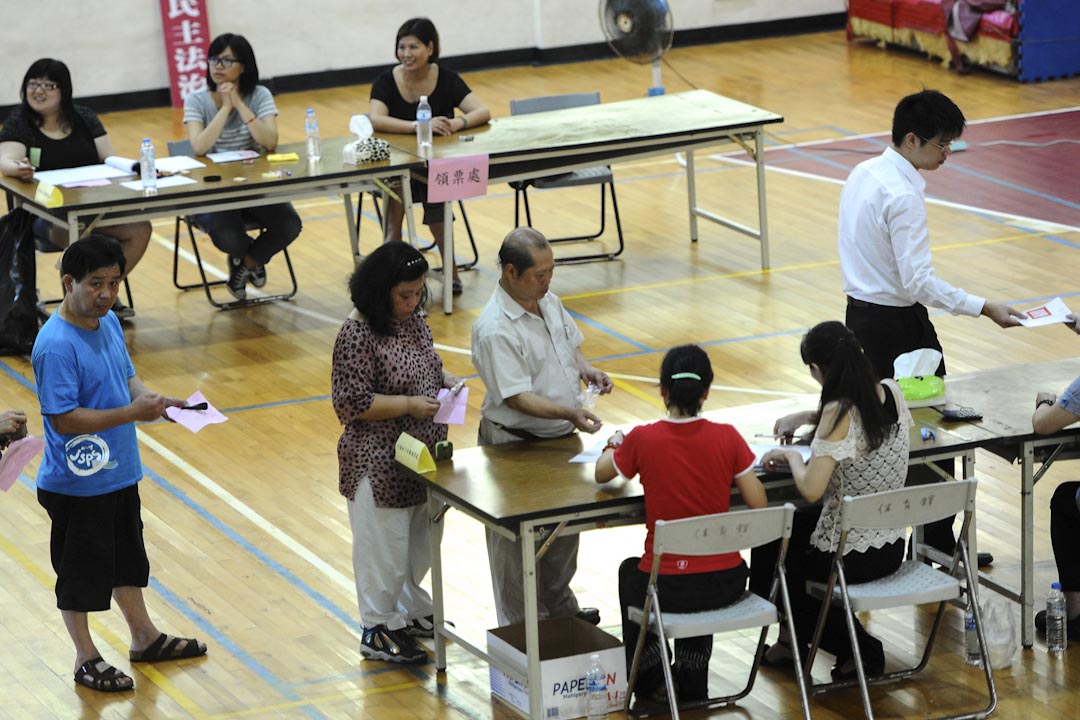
[46, 85]
[946, 148]
[222, 62]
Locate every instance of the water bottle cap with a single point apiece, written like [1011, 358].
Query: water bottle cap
[594, 656]
[423, 98]
[146, 140]
[1055, 586]
[311, 111]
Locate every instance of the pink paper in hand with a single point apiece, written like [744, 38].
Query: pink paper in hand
[452, 410]
[195, 420]
[16, 457]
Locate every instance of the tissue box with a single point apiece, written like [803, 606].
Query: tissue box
[922, 390]
[565, 647]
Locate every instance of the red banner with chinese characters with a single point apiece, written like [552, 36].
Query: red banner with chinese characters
[187, 35]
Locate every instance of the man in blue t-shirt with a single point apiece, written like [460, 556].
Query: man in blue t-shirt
[88, 482]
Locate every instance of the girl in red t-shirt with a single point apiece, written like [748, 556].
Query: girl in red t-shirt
[687, 466]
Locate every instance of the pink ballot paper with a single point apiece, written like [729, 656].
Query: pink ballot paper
[195, 420]
[452, 410]
[18, 454]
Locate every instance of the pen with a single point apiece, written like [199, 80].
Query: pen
[456, 389]
[196, 406]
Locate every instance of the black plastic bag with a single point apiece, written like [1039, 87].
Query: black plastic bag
[18, 284]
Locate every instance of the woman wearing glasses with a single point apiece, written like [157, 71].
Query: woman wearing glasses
[48, 131]
[236, 113]
[394, 97]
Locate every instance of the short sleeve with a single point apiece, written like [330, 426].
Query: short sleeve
[459, 89]
[844, 449]
[383, 89]
[17, 128]
[262, 102]
[91, 121]
[59, 393]
[1070, 399]
[626, 457]
[743, 457]
[502, 366]
[194, 108]
[353, 373]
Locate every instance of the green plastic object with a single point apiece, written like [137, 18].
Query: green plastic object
[921, 387]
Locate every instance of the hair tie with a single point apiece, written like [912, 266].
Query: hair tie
[686, 376]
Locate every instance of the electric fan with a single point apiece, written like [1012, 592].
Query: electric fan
[640, 31]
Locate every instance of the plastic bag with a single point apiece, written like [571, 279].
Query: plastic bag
[365, 148]
[18, 284]
[999, 626]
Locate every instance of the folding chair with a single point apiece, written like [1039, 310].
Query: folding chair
[183, 147]
[714, 535]
[377, 194]
[599, 175]
[914, 583]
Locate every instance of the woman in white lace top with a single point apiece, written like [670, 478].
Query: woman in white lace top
[860, 445]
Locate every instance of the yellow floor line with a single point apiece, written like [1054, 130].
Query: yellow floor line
[652, 398]
[114, 641]
[784, 269]
[350, 695]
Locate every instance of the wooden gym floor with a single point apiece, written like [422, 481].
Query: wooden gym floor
[248, 537]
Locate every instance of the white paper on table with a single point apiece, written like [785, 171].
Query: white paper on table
[761, 450]
[1049, 313]
[592, 454]
[177, 163]
[195, 420]
[165, 182]
[79, 174]
[232, 155]
[16, 457]
[452, 407]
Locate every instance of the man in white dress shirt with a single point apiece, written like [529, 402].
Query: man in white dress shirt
[527, 350]
[884, 248]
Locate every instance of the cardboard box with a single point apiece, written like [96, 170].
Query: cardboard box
[565, 647]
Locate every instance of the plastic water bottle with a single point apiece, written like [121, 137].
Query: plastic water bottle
[971, 638]
[148, 168]
[1056, 636]
[423, 127]
[311, 130]
[596, 689]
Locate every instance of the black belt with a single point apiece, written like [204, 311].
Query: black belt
[855, 302]
[525, 434]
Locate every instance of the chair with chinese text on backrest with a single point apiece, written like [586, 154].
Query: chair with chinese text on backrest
[715, 535]
[599, 175]
[914, 583]
[183, 147]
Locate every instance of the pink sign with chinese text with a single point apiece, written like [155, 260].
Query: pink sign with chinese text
[187, 35]
[457, 178]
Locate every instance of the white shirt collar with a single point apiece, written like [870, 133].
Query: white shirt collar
[906, 169]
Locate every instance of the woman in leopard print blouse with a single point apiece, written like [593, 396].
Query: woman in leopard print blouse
[385, 378]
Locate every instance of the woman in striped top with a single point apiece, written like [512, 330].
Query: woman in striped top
[236, 113]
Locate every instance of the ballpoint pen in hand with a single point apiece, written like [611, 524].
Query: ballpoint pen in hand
[196, 406]
[456, 389]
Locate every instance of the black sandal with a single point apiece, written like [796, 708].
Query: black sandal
[164, 648]
[108, 680]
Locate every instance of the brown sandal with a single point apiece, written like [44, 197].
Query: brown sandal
[108, 680]
[165, 648]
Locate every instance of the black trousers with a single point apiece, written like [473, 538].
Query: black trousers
[807, 563]
[678, 593]
[885, 333]
[1065, 534]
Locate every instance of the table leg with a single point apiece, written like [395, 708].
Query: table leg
[532, 629]
[407, 202]
[435, 540]
[350, 219]
[1027, 545]
[763, 221]
[691, 195]
[449, 262]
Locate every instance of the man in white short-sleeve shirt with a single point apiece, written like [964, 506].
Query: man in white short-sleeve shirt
[527, 350]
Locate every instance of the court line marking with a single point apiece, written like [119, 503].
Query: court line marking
[245, 511]
[111, 638]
